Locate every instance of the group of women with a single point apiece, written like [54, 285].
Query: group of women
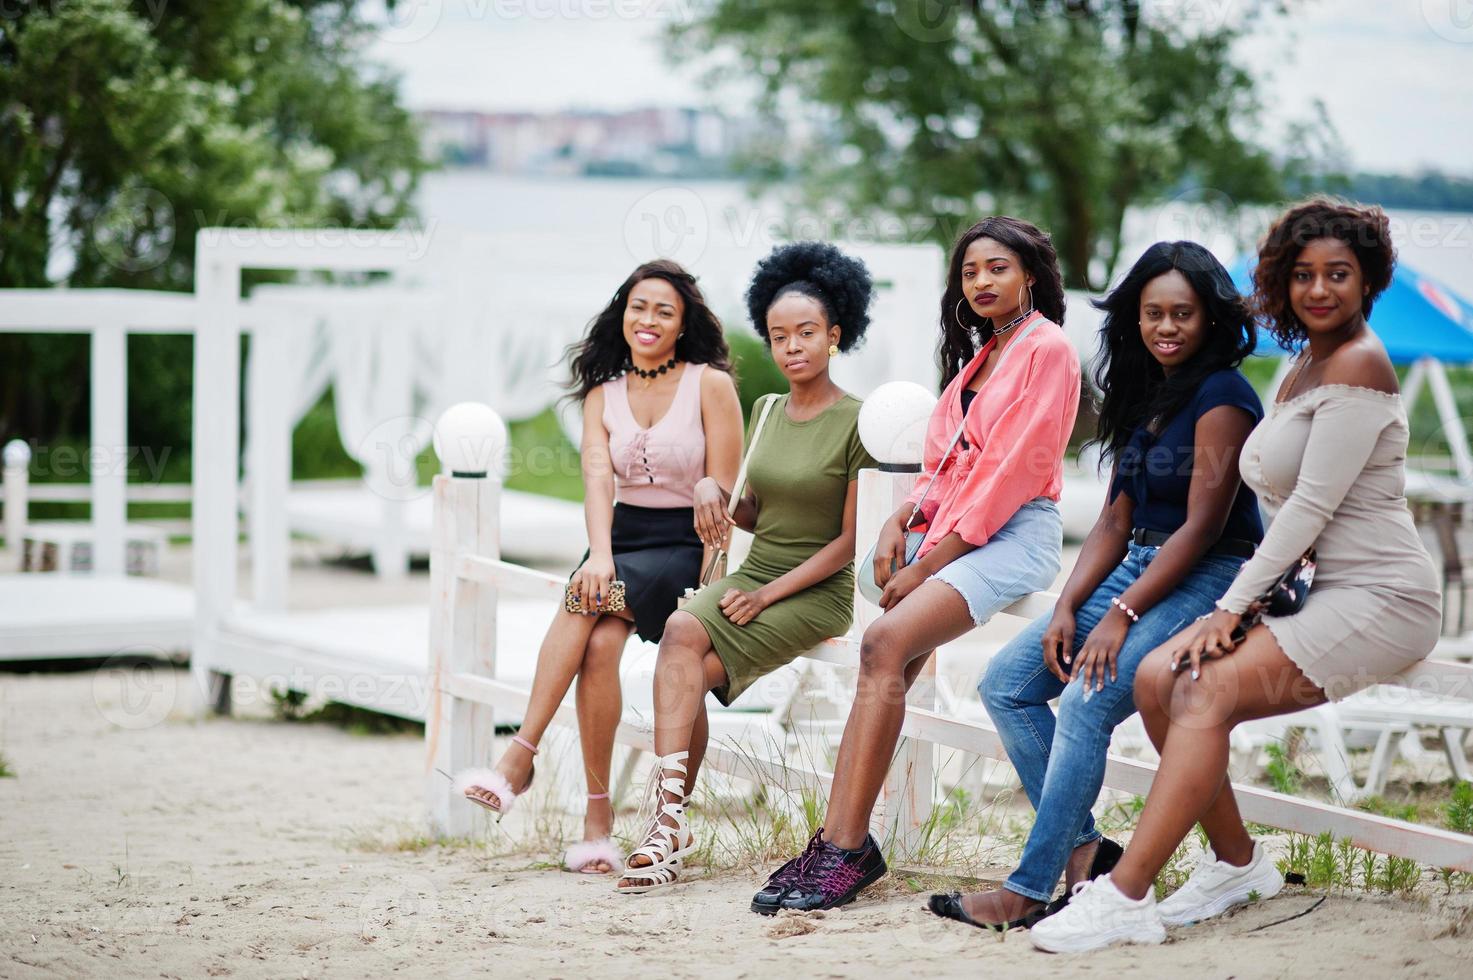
[1163, 611]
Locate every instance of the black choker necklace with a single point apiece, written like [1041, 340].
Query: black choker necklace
[649, 376]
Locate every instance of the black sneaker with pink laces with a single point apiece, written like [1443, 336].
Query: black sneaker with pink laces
[769, 899]
[833, 876]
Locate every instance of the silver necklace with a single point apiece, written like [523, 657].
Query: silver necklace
[1011, 325]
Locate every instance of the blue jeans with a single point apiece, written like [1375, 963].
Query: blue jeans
[1062, 762]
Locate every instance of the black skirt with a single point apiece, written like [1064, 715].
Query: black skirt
[657, 556]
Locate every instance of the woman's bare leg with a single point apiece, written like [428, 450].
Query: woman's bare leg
[686, 670]
[1155, 683]
[1257, 680]
[600, 705]
[558, 659]
[890, 655]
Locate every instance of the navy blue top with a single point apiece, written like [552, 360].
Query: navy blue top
[1155, 470]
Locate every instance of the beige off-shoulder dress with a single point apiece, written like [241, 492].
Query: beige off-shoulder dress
[1329, 468]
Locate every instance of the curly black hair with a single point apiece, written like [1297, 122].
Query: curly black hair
[962, 338]
[603, 353]
[837, 282]
[1134, 386]
[1365, 228]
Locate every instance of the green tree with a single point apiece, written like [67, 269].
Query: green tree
[1066, 112]
[127, 126]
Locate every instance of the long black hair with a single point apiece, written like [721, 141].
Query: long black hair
[603, 353]
[1135, 388]
[963, 332]
[839, 283]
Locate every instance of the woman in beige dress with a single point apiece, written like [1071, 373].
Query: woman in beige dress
[1328, 465]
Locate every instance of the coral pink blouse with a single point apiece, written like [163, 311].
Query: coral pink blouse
[1016, 432]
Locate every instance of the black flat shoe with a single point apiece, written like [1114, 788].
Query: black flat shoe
[1107, 855]
[950, 907]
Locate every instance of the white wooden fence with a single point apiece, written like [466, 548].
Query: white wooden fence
[467, 575]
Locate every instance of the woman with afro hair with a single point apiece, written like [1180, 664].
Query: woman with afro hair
[980, 531]
[1328, 463]
[795, 589]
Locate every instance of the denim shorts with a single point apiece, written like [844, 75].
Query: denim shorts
[1020, 559]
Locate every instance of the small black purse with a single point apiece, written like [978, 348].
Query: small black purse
[1284, 598]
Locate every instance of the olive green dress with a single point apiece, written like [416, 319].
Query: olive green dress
[800, 474]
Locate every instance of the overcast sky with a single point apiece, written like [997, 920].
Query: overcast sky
[1396, 76]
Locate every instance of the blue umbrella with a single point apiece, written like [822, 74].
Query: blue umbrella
[1415, 317]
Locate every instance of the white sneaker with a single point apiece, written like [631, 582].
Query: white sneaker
[1098, 915]
[1215, 887]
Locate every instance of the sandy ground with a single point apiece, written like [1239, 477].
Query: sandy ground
[135, 845]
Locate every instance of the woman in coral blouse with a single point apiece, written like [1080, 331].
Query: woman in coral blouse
[988, 531]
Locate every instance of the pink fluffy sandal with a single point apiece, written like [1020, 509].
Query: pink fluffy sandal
[582, 856]
[496, 783]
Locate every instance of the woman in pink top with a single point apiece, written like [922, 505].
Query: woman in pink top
[660, 412]
[987, 534]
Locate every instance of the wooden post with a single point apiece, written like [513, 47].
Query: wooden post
[269, 466]
[215, 457]
[17, 503]
[459, 734]
[109, 458]
[390, 473]
[907, 793]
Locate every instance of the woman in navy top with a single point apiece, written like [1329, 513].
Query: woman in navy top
[1176, 526]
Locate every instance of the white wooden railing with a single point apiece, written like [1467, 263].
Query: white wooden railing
[467, 575]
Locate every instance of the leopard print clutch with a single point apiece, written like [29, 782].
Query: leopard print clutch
[615, 602]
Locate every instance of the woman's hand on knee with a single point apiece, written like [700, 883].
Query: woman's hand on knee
[743, 607]
[901, 584]
[1098, 655]
[1207, 639]
[1058, 642]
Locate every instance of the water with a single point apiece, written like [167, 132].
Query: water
[696, 220]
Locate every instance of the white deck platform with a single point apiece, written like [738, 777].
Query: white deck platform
[46, 615]
[377, 657]
[534, 528]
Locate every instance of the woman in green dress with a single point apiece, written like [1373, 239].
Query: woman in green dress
[795, 589]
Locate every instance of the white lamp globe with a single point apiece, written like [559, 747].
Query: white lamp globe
[17, 454]
[470, 439]
[892, 425]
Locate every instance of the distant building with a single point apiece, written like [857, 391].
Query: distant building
[652, 141]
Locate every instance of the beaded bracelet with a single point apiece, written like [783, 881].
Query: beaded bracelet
[1125, 609]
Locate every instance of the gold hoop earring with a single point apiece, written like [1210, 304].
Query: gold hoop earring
[833, 350]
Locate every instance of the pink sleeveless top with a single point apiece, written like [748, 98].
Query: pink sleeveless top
[658, 466]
